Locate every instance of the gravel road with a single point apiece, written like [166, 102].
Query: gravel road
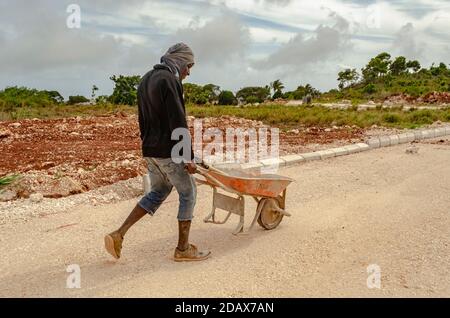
[383, 207]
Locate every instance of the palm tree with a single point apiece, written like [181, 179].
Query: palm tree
[94, 89]
[308, 88]
[277, 87]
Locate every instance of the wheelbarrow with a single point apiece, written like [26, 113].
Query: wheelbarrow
[268, 190]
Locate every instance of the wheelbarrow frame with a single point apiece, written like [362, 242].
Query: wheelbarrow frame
[236, 205]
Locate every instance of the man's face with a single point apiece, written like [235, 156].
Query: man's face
[186, 72]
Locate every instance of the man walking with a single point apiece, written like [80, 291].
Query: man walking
[161, 111]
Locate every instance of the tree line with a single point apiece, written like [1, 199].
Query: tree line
[125, 93]
[382, 73]
[397, 75]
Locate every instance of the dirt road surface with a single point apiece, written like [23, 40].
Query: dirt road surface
[382, 207]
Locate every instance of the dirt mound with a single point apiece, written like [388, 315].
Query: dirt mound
[430, 98]
[400, 99]
[435, 97]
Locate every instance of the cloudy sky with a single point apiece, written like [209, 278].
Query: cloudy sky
[236, 43]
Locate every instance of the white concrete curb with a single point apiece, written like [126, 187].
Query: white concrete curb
[372, 143]
[273, 162]
[384, 141]
[293, 159]
[310, 156]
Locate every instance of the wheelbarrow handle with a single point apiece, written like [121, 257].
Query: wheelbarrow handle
[200, 163]
[203, 164]
[212, 181]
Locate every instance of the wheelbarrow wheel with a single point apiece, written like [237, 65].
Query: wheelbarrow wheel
[269, 217]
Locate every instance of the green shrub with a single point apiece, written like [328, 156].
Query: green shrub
[422, 117]
[278, 94]
[195, 94]
[14, 97]
[252, 100]
[78, 99]
[125, 90]
[414, 91]
[253, 94]
[391, 118]
[369, 89]
[227, 98]
[6, 180]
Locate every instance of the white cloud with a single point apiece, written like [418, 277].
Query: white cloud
[324, 43]
[406, 43]
[263, 35]
[236, 42]
[217, 41]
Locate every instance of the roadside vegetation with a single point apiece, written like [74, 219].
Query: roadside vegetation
[271, 114]
[285, 117]
[382, 77]
[7, 180]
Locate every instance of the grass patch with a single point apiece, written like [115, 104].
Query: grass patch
[62, 111]
[280, 116]
[287, 116]
[7, 180]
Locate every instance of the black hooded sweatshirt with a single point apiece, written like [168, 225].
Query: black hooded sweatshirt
[161, 110]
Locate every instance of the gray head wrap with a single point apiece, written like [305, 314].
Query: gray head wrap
[178, 57]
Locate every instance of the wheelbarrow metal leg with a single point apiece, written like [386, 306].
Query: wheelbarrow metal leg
[241, 212]
[258, 212]
[240, 226]
[213, 211]
[211, 218]
[283, 205]
[219, 222]
[231, 205]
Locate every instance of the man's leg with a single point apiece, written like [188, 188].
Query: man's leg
[160, 189]
[184, 228]
[135, 215]
[185, 185]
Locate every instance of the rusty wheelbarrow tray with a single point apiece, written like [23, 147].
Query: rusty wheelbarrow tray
[268, 190]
